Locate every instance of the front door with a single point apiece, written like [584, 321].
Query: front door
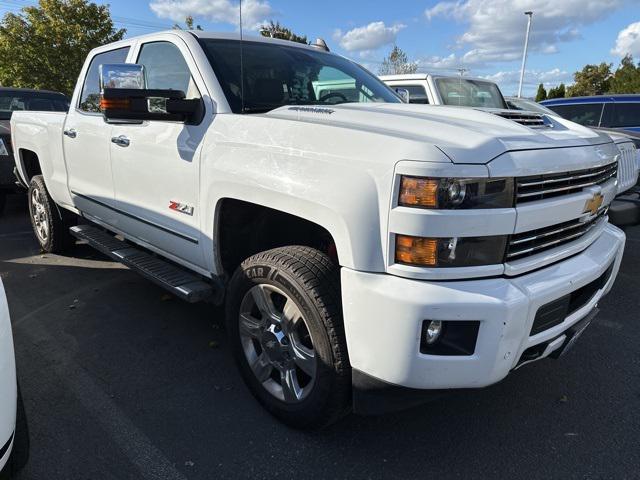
[87, 145]
[156, 164]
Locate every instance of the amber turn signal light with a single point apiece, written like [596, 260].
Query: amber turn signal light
[416, 191]
[114, 104]
[417, 250]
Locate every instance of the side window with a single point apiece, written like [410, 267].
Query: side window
[587, 114]
[166, 69]
[417, 93]
[90, 98]
[624, 115]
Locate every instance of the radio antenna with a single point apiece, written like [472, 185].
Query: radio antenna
[241, 63]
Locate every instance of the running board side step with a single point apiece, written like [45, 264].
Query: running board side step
[181, 283]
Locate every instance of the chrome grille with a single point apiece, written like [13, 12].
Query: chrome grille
[627, 167]
[535, 241]
[538, 187]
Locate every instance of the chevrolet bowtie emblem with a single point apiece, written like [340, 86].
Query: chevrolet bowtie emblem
[593, 204]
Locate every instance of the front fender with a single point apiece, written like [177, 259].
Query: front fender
[345, 200]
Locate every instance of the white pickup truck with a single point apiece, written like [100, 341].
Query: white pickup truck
[368, 251]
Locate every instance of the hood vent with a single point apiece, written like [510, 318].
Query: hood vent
[528, 119]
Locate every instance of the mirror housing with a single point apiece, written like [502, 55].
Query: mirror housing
[403, 93]
[141, 104]
[124, 97]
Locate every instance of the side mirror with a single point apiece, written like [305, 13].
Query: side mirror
[124, 97]
[403, 93]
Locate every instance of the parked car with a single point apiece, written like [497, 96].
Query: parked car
[616, 112]
[458, 91]
[12, 99]
[14, 443]
[625, 210]
[367, 250]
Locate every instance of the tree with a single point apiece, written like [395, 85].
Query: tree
[188, 22]
[591, 80]
[275, 30]
[559, 92]
[44, 46]
[541, 94]
[397, 63]
[626, 79]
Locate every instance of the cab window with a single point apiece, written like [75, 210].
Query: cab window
[166, 68]
[587, 114]
[90, 98]
[621, 115]
[417, 93]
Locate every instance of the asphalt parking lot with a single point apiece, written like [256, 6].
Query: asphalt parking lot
[121, 381]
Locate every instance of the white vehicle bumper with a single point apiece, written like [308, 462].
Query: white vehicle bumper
[384, 315]
[8, 389]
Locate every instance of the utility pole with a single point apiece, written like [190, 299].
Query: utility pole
[524, 54]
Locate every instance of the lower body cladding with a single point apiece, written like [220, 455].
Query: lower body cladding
[489, 326]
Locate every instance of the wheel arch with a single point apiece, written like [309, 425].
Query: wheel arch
[243, 228]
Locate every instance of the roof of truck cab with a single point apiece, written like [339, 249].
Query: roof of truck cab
[424, 76]
[30, 90]
[247, 38]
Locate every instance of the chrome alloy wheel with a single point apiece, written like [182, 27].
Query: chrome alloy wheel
[40, 216]
[277, 344]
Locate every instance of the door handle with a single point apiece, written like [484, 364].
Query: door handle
[71, 133]
[121, 141]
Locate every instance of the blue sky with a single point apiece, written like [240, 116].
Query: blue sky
[484, 36]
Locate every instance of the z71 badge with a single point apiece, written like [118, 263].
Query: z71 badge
[181, 207]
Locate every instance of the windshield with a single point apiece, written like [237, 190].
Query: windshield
[528, 105]
[277, 75]
[464, 92]
[12, 100]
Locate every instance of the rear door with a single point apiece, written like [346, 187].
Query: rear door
[622, 115]
[87, 145]
[156, 164]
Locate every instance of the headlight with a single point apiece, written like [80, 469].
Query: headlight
[456, 193]
[450, 252]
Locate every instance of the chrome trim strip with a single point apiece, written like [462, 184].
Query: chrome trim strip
[564, 179]
[587, 229]
[563, 189]
[142, 220]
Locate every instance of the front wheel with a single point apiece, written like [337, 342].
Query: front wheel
[50, 224]
[284, 318]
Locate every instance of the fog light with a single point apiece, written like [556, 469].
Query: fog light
[432, 332]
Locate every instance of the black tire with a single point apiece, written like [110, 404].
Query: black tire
[312, 281]
[55, 220]
[3, 201]
[20, 451]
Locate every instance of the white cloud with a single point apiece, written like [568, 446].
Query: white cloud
[367, 38]
[551, 77]
[254, 12]
[495, 28]
[508, 80]
[628, 41]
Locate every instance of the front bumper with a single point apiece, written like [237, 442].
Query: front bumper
[7, 178]
[383, 316]
[625, 209]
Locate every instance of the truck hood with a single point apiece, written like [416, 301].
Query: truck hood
[465, 135]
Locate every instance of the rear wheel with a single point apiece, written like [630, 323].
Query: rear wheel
[284, 319]
[50, 224]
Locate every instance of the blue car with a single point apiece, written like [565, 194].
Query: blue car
[619, 112]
